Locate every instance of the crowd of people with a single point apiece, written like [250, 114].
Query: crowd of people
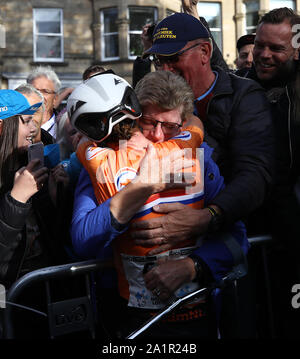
[167, 178]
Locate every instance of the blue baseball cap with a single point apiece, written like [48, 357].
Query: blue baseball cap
[14, 103]
[174, 32]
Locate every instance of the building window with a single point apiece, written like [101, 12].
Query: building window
[138, 17]
[252, 17]
[110, 34]
[48, 35]
[211, 11]
[282, 3]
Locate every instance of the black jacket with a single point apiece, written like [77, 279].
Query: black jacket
[46, 138]
[283, 207]
[240, 129]
[14, 227]
[286, 208]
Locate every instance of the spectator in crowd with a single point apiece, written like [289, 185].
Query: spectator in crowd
[61, 100]
[65, 170]
[28, 234]
[142, 64]
[58, 174]
[45, 80]
[276, 59]
[276, 68]
[275, 56]
[245, 45]
[240, 133]
[68, 138]
[40, 135]
[18, 185]
[154, 91]
[92, 70]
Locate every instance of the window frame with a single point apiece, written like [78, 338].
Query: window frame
[36, 34]
[249, 29]
[103, 35]
[294, 5]
[215, 29]
[137, 32]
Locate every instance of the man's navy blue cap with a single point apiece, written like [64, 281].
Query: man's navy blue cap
[14, 103]
[174, 32]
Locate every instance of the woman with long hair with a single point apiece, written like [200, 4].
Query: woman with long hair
[28, 236]
[26, 211]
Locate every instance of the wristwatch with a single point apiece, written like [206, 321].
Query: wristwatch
[198, 267]
[216, 221]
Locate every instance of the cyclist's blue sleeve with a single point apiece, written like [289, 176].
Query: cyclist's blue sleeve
[91, 229]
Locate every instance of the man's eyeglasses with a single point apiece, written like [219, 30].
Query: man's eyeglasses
[148, 123]
[160, 60]
[47, 92]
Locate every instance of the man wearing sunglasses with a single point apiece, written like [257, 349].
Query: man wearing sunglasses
[237, 120]
[142, 65]
[238, 126]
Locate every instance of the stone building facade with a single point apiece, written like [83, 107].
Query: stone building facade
[70, 35]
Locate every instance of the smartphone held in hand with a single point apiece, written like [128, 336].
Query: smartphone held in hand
[36, 151]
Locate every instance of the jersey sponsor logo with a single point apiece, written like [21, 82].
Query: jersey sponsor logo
[124, 176]
[92, 152]
[184, 135]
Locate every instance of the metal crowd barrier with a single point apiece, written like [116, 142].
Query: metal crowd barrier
[262, 239]
[255, 240]
[179, 302]
[86, 321]
[80, 308]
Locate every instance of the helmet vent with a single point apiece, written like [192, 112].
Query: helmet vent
[117, 116]
[75, 107]
[117, 81]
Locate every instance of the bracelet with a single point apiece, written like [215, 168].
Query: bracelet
[212, 211]
[216, 221]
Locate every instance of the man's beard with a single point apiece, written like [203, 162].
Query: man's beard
[286, 72]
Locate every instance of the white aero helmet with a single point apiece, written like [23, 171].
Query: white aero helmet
[101, 102]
